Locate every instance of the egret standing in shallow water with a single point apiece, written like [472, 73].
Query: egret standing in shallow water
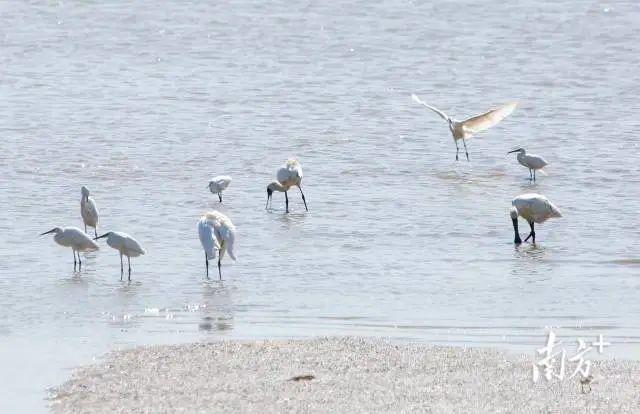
[89, 211]
[465, 129]
[216, 232]
[534, 208]
[532, 162]
[289, 175]
[73, 237]
[218, 184]
[126, 245]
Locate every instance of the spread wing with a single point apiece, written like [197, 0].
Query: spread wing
[434, 109]
[488, 119]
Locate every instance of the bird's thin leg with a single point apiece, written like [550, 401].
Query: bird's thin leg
[129, 262]
[206, 262]
[532, 234]
[85, 227]
[79, 261]
[534, 176]
[286, 201]
[95, 230]
[220, 271]
[457, 148]
[465, 148]
[74, 259]
[121, 266]
[220, 197]
[303, 199]
[530, 175]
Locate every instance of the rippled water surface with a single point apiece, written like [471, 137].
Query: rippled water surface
[144, 101]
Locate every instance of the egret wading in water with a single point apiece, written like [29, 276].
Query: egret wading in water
[218, 184]
[89, 211]
[534, 208]
[126, 245]
[216, 232]
[289, 175]
[532, 162]
[73, 237]
[466, 129]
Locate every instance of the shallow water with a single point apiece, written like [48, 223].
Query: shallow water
[144, 102]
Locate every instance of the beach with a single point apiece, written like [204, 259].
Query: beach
[347, 374]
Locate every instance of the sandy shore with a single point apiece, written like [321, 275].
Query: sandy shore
[350, 375]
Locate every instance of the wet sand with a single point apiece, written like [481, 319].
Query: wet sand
[336, 375]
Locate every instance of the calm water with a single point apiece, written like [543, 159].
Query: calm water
[144, 102]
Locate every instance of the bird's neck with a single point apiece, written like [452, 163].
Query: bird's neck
[279, 187]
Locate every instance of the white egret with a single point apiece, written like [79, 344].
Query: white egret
[289, 175]
[218, 184]
[89, 211]
[465, 129]
[126, 245]
[73, 237]
[532, 162]
[216, 232]
[534, 208]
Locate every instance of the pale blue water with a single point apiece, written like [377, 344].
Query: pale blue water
[144, 102]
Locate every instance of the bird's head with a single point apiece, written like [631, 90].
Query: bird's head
[85, 192]
[107, 234]
[56, 230]
[210, 185]
[520, 150]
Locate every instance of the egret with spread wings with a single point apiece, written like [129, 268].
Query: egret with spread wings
[466, 129]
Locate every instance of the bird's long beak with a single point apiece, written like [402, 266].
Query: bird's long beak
[47, 232]
[99, 237]
[515, 150]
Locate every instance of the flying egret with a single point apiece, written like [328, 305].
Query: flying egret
[534, 208]
[466, 129]
[216, 232]
[126, 245]
[218, 184]
[73, 237]
[532, 162]
[288, 175]
[89, 211]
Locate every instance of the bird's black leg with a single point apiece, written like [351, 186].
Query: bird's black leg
[532, 234]
[534, 176]
[206, 262]
[95, 230]
[85, 228]
[129, 262]
[465, 148]
[79, 262]
[219, 265]
[303, 199]
[457, 148]
[121, 267]
[220, 197]
[74, 259]
[530, 175]
[286, 201]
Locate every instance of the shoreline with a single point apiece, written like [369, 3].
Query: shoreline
[336, 375]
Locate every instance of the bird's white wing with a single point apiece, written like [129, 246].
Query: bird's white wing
[291, 172]
[207, 238]
[488, 119]
[132, 245]
[434, 109]
[222, 181]
[78, 239]
[228, 235]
